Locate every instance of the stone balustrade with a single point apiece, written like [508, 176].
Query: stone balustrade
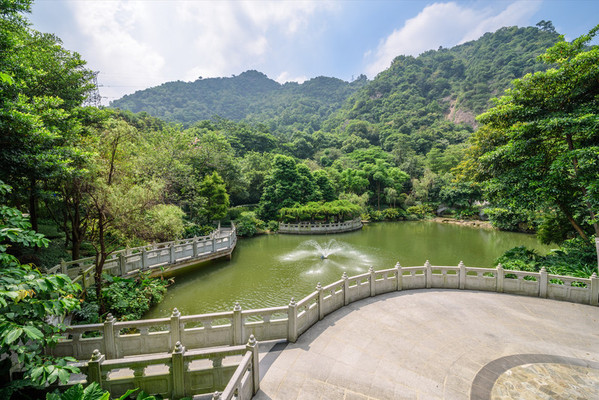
[154, 257]
[130, 338]
[180, 373]
[307, 228]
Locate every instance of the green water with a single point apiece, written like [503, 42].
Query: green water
[268, 270]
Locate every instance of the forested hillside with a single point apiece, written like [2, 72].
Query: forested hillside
[250, 95]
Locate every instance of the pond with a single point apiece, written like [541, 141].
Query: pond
[266, 271]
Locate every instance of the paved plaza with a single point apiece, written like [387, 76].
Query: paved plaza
[441, 344]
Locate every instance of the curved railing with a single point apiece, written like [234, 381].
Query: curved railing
[153, 257]
[116, 340]
[308, 228]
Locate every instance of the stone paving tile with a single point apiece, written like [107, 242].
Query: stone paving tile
[432, 345]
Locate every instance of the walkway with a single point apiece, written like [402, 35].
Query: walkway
[441, 344]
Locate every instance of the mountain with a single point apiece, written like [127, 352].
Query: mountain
[440, 91]
[250, 95]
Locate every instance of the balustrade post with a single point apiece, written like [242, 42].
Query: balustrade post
[178, 371]
[319, 301]
[172, 253]
[429, 274]
[144, 259]
[462, 275]
[345, 289]
[543, 283]
[292, 321]
[195, 246]
[216, 395]
[175, 328]
[398, 277]
[122, 264]
[594, 290]
[63, 267]
[109, 340]
[372, 280]
[500, 276]
[94, 368]
[237, 325]
[252, 345]
[213, 244]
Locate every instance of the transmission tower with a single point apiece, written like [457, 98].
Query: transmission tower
[93, 97]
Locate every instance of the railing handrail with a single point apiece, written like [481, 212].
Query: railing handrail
[129, 261]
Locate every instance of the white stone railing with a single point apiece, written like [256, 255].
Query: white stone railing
[180, 373]
[308, 228]
[131, 338]
[152, 257]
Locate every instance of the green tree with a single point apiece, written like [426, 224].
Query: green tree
[547, 143]
[43, 85]
[28, 302]
[213, 190]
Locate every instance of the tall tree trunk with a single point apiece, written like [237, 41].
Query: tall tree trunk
[33, 205]
[573, 222]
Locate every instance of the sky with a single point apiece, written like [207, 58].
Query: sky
[136, 44]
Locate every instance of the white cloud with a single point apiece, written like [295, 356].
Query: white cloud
[286, 77]
[137, 44]
[444, 24]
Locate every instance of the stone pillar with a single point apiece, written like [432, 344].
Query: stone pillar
[172, 253]
[345, 289]
[216, 395]
[144, 259]
[429, 274]
[319, 301]
[122, 264]
[237, 325]
[252, 345]
[109, 337]
[594, 290]
[175, 328]
[292, 321]
[178, 371]
[63, 267]
[372, 280]
[94, 368]
[398, 277]
[462, 275]
[500, 276]
[543, 283]
[213, 245]
[195, 246]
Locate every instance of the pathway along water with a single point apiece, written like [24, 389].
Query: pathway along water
[268, 270]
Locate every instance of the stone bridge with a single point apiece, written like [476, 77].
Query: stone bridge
[157, 259]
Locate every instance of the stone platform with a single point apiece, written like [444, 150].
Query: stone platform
[441, 344]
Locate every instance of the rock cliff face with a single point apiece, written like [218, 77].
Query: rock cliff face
[460, 116]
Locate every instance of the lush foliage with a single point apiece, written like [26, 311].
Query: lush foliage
[125, 298]
[95, 392]
[539, 149]
[248, 224]
[575, 257]
[332, 211]
[32, 306]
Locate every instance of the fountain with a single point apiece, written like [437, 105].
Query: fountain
[318, 257]
[326, 249]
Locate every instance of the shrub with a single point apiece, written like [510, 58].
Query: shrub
[394, 214]
[376, 216]
[125, 298]
[420, 210]
[248, 225]
[272, 226]
[511, 220]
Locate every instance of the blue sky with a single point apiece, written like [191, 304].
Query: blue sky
[136, 44]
